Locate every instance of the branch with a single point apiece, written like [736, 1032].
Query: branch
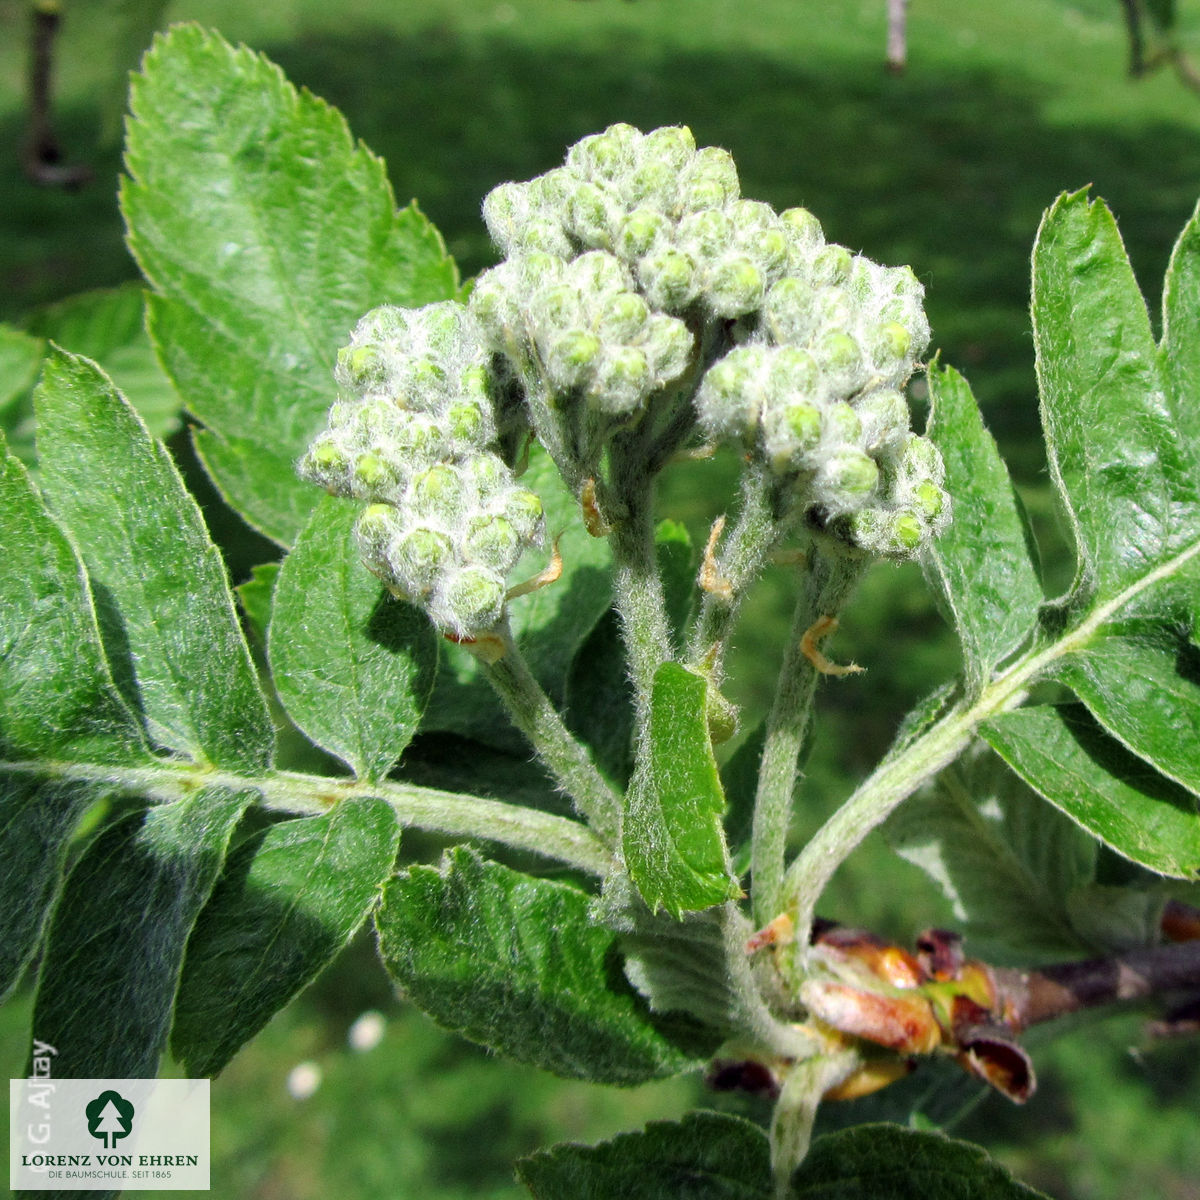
[42, 156]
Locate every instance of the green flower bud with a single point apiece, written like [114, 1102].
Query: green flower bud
[803, 229]
[920, 459]
[572, 357]
[325, 462]
[708, 233]
[668, 347]
[374, 476]
[832, 265]
[888, 343]
[604, 156]
[493, 542]
[362, 368]
[792, 372]
[838, 352]
[622, 318]
[729, 398]
[710, 180]
[374, 530]
[907, 532]
[735, 287]
[768, 249]
[419, 442]
[439, 492]
[440, 328]
[842, 425]
[622, 381]
[884, 416]
[639, 232]
[555, 307]
[523, 510]
[833, 309]
[929, 499]
[487, 474]
[506, 212]
[465, 425]
[591, 214]
[418, 558]
[788, 311]
[654, 183]
[595, 273]
[469, 601]
[385, 324]
[668, 280]
[548, 193]
[475, 384]
[672, 145]
[846, 480]
[790, 434]
[546, 237]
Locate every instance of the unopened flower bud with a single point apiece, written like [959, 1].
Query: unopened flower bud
[604, 156]
[735, 288]
[802, 227]
[622, 380]
[469, 601]
[374, 530]
[418, 558]
[523, 510]
[362, 368]
[846, 480]
[832, 266]
[622, 318]
[492, 542]
[668, 279]
[571, 357]
[439, 492]
[710, 180]
[640, 232]
[374, 476]
[671, 144]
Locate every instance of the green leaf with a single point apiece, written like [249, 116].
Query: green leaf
[710, 1156]
[36, 823]
[1008, 862]
[267, 232]
[672, 837]
[255, 596]
[289, 900]
[1118, 798]
[110, 327]
[352, 666]
[20, 361]
[550, 625]
[706, 1156]
[144, 542]
[1141, 680]
[983, 564]
[1126, 475]
[516, 963]
[1179, 351]
[57, 698]
[116, 943]
[871, 1162]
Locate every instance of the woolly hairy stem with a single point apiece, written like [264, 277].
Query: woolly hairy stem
[741, 559]
[564, 756]
[826, 589]
[796, 1110]
[161, 781]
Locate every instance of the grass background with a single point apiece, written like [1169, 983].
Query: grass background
[949, 168]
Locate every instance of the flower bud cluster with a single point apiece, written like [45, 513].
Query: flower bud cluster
[671, 213]
[410, 434]
[590, 333]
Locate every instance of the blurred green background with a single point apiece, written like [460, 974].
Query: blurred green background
[948, 168]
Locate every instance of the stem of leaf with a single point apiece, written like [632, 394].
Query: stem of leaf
[796, 1109]
[745, 552]
[451, 813]
[563, 755]
[826, 589]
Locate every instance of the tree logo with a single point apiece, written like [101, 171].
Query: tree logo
[109, 1117]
